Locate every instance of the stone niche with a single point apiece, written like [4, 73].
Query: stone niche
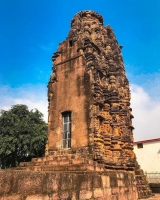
[89, 153]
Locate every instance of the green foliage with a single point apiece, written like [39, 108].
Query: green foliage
[23, 135]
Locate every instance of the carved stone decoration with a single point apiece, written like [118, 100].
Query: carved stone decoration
[109, 136]
[53, 77]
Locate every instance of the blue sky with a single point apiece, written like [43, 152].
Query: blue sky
[32, 29]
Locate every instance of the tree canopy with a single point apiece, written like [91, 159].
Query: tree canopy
[23, 135]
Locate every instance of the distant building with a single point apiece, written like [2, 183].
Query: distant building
[148, 154]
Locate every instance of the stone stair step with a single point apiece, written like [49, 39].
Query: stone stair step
[51, 162]
[62, 163]
[54, 166]
[78, 161]
[28, 164]
[21, 168]
[38, 159]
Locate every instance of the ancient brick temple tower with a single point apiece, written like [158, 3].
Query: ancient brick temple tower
[89, 98]
[89, 154]
[89, 86]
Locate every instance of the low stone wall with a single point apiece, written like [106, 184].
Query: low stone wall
[32, 185]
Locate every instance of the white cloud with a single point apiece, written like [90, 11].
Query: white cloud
[146, 111]
[32, 96]
[149, 82]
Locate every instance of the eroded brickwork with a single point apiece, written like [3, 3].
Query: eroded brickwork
[90, 65]
[110, 136]
[67, 185]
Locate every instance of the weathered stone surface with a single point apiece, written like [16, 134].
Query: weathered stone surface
[66, 185]
[91, 83]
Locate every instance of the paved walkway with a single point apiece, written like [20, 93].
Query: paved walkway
[155, 197]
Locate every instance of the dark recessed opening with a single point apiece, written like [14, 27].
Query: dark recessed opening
[140, 145]
[70, 43]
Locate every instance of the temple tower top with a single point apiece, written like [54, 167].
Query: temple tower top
[87, 15]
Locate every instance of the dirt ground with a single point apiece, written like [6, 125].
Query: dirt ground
[155, 197]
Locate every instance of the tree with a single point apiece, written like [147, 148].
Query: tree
[23, 135]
